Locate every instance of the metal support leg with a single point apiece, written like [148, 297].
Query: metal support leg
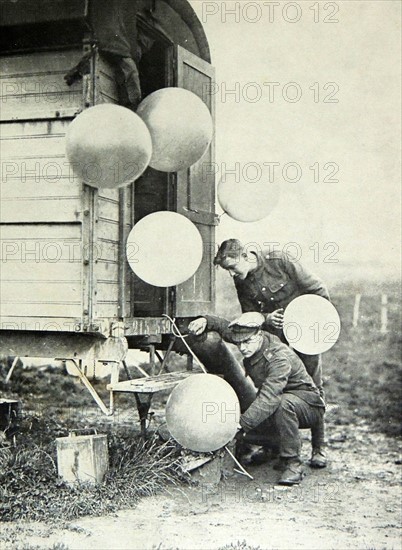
[143, 401]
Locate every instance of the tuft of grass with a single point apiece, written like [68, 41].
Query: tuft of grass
[56, 546]
[239, 545]
[30, 488]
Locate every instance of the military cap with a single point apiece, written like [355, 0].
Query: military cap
[246, 326]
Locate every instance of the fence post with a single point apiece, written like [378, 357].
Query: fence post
[384, 313]
[356, 310]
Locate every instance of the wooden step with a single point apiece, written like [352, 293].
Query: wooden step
[150, 384]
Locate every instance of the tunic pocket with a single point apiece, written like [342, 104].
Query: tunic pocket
[278, 284]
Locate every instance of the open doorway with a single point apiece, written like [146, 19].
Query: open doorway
[154, 190]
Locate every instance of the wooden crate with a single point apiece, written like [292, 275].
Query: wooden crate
[82, 459]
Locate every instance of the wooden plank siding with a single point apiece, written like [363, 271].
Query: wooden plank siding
[42, 253]
[42, 200]
[37, 183]
[62, 258]
[107, 231]
[41, 270]
[32, 85]
[106, 247]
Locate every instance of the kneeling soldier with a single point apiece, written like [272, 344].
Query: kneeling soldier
[287, 397]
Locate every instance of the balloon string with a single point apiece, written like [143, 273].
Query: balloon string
[242, 470]
[178, 334]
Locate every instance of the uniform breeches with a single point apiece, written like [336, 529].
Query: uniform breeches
[282, 428]
[313, 364]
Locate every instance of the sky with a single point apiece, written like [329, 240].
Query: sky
[316, 89]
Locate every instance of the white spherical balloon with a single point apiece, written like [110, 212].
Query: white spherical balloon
[164, 249]
[108, 146]
[181, 128]
[203, 412]
[311, 324]
[246, 201]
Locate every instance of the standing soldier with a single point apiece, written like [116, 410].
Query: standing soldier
[267, 282]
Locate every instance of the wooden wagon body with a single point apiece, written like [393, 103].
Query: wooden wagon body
[65, 280]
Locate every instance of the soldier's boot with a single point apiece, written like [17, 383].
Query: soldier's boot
[293, 473]
[318, 458]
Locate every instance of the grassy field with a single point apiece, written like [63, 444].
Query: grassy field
[363, 370]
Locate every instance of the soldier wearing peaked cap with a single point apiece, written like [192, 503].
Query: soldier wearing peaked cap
[287, 398]
[267, 282]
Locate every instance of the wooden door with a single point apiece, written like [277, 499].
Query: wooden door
[196, 192]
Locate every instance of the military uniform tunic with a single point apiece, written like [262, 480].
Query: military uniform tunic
[275, 370]
[275, 282]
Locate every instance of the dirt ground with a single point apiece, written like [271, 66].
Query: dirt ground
[353, 504]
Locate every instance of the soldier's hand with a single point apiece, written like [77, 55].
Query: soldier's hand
[275, 318]
[197, 326]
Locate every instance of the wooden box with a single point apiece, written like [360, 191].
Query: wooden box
[82, 458]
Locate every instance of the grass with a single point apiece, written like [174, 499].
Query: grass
[239, 545]
[363, 371]
[30, 488]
